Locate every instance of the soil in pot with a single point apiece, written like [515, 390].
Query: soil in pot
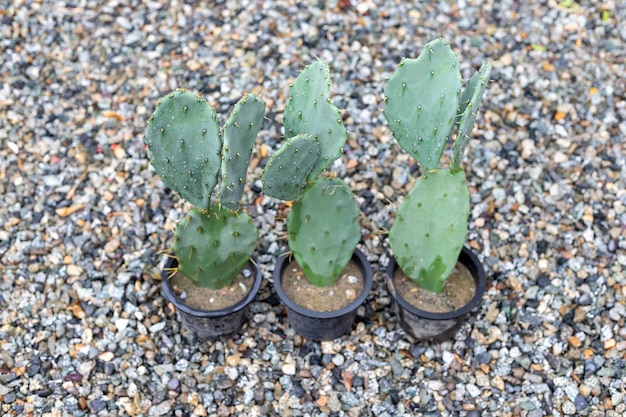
[207, 299]
[339, 295]
[458, 291]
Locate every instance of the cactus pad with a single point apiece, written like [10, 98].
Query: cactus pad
[213, 246]
[185, 146]
[468, 109]
[422, 100]
[430, 227]
[324, 230]
[309, 110]
[240, 132]
[286, 172]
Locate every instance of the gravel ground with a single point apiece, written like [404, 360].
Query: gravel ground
[84, 329]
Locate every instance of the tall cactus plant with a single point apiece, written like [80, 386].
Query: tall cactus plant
[424, 103]
[188, 151]
[323, 224]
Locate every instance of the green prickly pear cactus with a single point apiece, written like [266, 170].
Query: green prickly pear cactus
[310, 111]
[323, 224]
[422, 101]
[468, 110]
[324, 229]
[423, 105]
[185, 146]
[188, 151]
[213, 246]
[430, 227]
[285, 175]
[240, 132]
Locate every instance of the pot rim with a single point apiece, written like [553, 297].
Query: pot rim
[468, 258]
[180, 304]
[358, 257]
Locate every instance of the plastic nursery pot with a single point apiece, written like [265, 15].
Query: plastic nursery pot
[211, 324]
[426, 325]
[326, 325]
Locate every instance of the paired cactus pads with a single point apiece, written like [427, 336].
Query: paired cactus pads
[309, 111]
[189, 151]
[424, 103]
[323, 226]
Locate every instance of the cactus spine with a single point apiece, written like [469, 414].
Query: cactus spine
[323, 227]
[423, 105]
[188, 151]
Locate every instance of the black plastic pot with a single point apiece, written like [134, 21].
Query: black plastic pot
[327, 325]
[211, 324]
[425, 325]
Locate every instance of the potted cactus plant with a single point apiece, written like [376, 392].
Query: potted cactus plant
[212, 277]
[326, 279]
[438, 280]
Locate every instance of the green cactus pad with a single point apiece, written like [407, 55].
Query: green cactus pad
[324, 230]
[468, 109]
[431, 227]
[286, 172]
[212, 247]
[185, 145]
[240, 132]
[422, 100]
[309, 110]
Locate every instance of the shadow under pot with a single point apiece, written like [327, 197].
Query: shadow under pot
[439, 316]
[316, 321]
[208, 313]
